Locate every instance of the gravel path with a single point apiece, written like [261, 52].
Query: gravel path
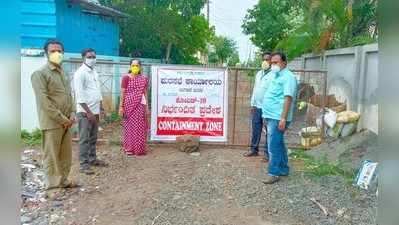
[219, 187]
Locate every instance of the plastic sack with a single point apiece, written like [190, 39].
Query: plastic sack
[348, 129]
[301, 105]
[330, 118]
[310, 131]
[309, 142]
[319, 122]
[366, 175]
[335, 131]
[347, 117]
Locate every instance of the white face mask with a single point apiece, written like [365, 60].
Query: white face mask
[90, 62]
[275, 68]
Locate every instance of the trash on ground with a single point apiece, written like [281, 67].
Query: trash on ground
[195, 154]
[330, 118]
[310, 137]
[367, 175]
[323, 208]
[346, 124]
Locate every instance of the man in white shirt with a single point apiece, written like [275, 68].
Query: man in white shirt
[89, 107]
[262, 79]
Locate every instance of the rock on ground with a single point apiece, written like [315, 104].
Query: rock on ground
[188, 143]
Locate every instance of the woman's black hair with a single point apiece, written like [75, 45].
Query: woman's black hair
[138, 60]
[266, 53]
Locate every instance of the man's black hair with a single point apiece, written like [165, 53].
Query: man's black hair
[282, 56]
[52, 41]
[87, 50]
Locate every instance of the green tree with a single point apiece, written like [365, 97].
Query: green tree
[234, 59]
[187, 8]
[270, 21]
[331, 24]
[256, 62]
[302, 26]
[140, 39]
[172, 30]
[225, 50]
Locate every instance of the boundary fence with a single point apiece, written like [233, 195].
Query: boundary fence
[240, 84]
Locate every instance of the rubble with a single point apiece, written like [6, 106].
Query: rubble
[25, 219]
[32, 193]
[54, 218]
[57, 204]
[350, 151]
[32, 176]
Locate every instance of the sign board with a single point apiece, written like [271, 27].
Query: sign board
[189, 100]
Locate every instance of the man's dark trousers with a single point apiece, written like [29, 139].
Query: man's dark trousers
[87, 140]
[257, 125]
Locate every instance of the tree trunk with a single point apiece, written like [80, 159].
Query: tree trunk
[168, 50]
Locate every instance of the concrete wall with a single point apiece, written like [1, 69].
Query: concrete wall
[29, 118]
[352, 78]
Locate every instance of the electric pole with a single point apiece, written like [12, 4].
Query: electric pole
[209, 25]
[207, 10]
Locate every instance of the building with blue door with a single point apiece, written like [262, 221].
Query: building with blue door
[78, 24]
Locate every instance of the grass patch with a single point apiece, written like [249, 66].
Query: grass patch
[300, 154]
[32, 139]
[112, 118]
[322, 167]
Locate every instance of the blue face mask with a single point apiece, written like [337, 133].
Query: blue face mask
[275, 68]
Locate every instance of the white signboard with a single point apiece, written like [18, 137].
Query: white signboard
[189, 100]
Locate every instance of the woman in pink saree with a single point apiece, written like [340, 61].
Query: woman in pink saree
[133, 109]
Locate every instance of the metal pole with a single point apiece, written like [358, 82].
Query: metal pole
[324, 74]
[251, 86]
[207, 19]
[207, 11]
[235, 105]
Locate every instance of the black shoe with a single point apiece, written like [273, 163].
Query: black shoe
[87, 171]
[99, 163]
[265, 160]
[271, 180]
[250, 154]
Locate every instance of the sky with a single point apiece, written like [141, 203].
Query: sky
[227, 17]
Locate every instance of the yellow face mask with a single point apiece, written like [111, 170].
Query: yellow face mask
[135, 69]
[265, 65]
[56, 58]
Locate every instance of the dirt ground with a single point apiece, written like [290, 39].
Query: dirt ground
[218, 187]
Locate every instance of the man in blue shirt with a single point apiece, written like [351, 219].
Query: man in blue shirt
[260, 86]
[278, 106]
